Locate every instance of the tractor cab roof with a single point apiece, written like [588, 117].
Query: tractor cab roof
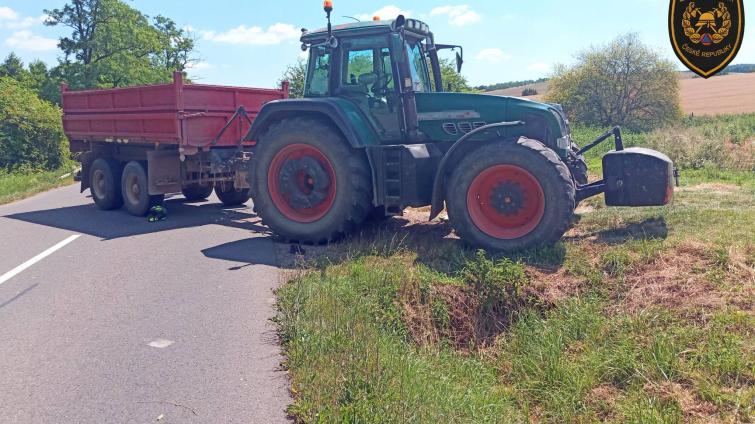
[412, 26]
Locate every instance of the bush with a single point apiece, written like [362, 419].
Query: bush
[31, 131]
[623, 83]
[529, 91]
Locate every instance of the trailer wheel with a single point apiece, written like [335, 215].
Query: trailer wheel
[230, 196]
[135, 188]
[196, 192]
[511, 196]
[105, 184]
[309, 185]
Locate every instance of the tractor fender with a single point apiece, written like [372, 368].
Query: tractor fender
[342, 114]
[487, 133]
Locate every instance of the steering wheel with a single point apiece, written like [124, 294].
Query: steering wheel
[381, 85]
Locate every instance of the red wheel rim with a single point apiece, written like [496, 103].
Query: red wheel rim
[506, 201]
[303, 184]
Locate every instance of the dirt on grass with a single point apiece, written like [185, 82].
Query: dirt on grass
[684, 279]
[603, 400]
[694, 408]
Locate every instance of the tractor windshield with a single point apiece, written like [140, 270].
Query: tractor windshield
[417, 66]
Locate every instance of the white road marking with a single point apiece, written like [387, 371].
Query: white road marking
[17, 270]
[160, 343]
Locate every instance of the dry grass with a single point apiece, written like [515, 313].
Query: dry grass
[691, 279]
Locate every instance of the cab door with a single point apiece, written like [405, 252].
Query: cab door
[367, 78]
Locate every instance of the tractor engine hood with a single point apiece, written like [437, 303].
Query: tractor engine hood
[449, 116]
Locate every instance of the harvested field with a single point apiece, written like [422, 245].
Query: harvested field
[724, 94]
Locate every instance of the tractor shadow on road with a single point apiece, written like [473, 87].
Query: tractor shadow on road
[248, 252]
[108, 225]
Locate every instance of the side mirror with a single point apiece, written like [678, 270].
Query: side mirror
[397, 48]
[459, 62]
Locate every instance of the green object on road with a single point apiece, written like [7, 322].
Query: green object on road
[157, 213]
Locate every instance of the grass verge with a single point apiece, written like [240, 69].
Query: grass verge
[639, 315]
[18, 185]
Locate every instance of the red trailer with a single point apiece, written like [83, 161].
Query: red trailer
[140, 143]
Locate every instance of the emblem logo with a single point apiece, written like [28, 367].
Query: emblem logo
[706, 34]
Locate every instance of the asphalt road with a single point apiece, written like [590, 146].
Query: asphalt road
[106, 318]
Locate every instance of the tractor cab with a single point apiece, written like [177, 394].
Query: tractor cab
[379, 66]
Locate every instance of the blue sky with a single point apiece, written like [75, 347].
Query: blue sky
[244, 43]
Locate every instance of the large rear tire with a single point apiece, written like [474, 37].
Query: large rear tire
[105, 184]
[230, 196]
[196, 192]
[135, 188]
[511, 196]
[309, 184]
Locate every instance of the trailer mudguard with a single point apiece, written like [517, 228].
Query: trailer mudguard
[343, 114]
[479, 134]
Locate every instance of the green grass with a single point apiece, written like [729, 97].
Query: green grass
[406, 327]
[18, 185]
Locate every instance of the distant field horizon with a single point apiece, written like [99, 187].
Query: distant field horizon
[724, 94]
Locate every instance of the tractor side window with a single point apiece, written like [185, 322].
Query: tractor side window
[418, 67]
[319, 70]
[359, 63]
[368, 72]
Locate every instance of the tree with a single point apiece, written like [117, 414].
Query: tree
[13, 67]
[622, 83]
[115, 45]
[84, 17]
[31, 131]
[295, 75]
[177, 44]
[452, 79]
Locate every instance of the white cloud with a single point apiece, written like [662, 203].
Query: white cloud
[274, 34]
[8, 14]
[10, 19]
[199, 66]
[26, 40]
[539, 66]
[26, 22]
[457, 15]
[386, 13]
[492, 55]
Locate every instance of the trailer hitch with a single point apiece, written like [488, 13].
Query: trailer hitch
[240, 112]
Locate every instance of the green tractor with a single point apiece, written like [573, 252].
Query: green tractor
[377, 133]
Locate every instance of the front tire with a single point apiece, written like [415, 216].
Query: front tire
[309, 185]
[511, 196]
[135, 188]
[105, 184]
